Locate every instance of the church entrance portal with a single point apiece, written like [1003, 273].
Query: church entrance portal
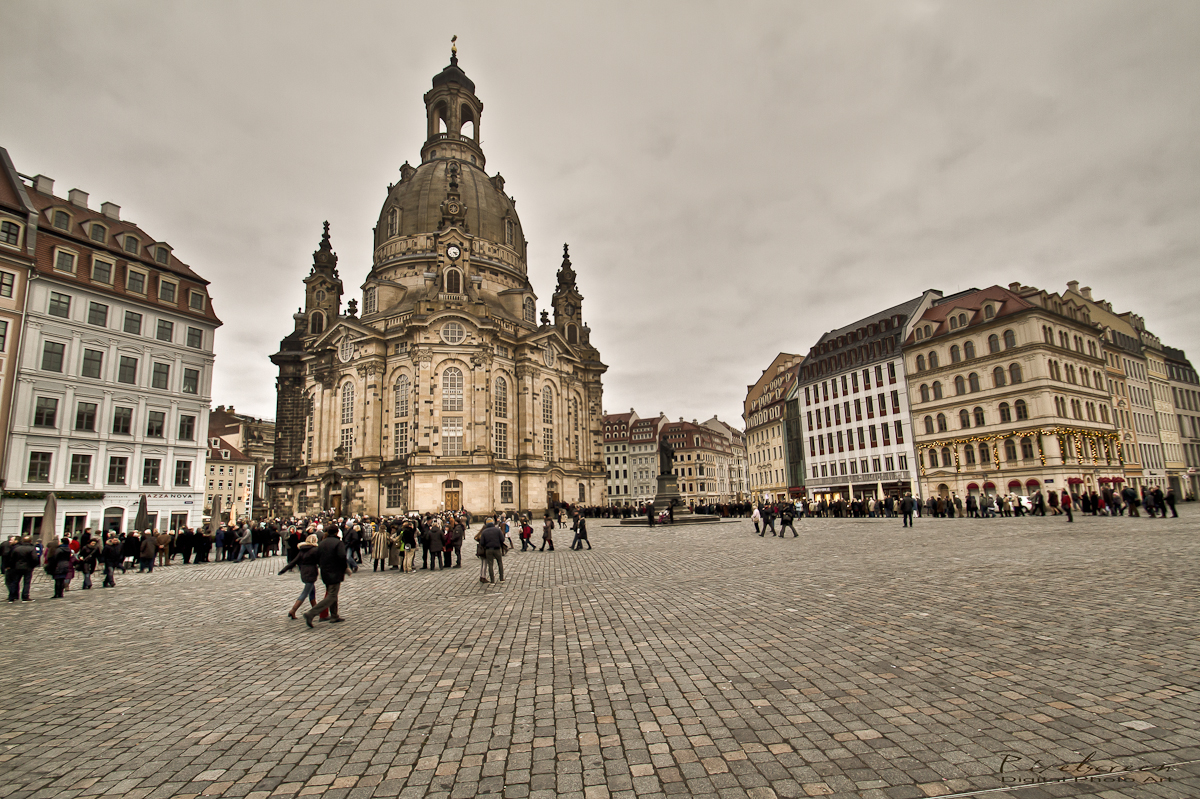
[452, 494]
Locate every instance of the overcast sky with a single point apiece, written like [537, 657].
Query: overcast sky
[734, 179]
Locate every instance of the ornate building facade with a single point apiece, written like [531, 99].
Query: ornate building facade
[447, 391]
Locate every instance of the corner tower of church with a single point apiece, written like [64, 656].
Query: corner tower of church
[446, 391]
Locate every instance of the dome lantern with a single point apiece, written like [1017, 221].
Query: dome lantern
[452, 111]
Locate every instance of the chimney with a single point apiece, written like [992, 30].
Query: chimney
[1015, 287]
[44, 184]
[111, 210]
[1073, 285]
[79, 198]
[1086, 291]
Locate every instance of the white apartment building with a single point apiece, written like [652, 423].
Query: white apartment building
[854, 408]
[114, 376]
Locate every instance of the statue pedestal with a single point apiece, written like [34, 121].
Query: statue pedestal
[667, 494]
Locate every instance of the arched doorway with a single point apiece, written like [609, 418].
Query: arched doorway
[333, 495]
[113, 518]
[452, 494]
[552, 497]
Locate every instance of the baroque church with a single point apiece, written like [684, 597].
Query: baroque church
[447, 391]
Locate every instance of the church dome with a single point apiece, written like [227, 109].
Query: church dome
[415, 205]
[453, 74]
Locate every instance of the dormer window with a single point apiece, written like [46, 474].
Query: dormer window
[215, 443]
[988, 312]
[10, 233]
[135, 281]
[132, 245]
[167, 290]
[62, 220]
[98, 233]
[196, 300]
[225, 454]
[162, 255]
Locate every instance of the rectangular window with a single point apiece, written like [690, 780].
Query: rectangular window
[166, 330]
[887, 437]
[6, 284]
[895, 402]
[62, 220]
[99, 233]
[501, 429]
[879, 375]
[98, 314]
[889, 463]
[902, 462]
[60, 305]
[131, 245]
[187, 428]
[899, 434]
[162, 255]
[883, 405]
[196, 300]
[395, 496]
[81, 468]
[85, 416]
[135, 282]
[39, 467]
[195, 338]
[101, 271]
[150, 471]
[191, 381]
[348, 441]
[863, 465]
[400, 440]
[870, 407]
[116, 470]
[874, 440]
[45, 412]
[133, 323]
[452, 436]
[548, 443]
[122, 421]
[183, 473]
[156, 424]
[93, 363]
[841, 448]
[862, 442]
[3, 335]
[166, 290]
[160, 376]
[64, 261]
[127, 370]
[875, 465]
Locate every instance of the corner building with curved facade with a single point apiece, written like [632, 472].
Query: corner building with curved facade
[447, 391]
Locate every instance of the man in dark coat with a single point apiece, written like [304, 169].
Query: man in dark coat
[906, 509]
[112, 559]
[19, 563]
[454, 541]
[491, 538]
[149, 546]
[331, 559]
[435, 546]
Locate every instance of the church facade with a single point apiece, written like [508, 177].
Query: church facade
[446, 391]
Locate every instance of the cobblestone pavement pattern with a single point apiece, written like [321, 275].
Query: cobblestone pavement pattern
[858, 660]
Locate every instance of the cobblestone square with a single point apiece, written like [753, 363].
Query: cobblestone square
[1022, 657]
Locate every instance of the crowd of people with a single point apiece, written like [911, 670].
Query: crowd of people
[390, 543]
[1151, 500]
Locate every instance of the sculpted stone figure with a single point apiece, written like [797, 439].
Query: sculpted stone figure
[666, 458]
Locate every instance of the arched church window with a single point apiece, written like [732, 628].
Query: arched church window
[403, 387]
[530, 310]
[452, 389]
[501, 398]
[547, 405]
[393, 222]
[348, 403]
[316, 323]
[453, 281]
[370, 302]
[572, 334]
[508, 232]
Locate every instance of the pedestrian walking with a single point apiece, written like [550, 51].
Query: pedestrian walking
[547, 534]
[581, 537]
[491, 539]
[112, 559]
[331, 561]
[307, 559]
[906, 509]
